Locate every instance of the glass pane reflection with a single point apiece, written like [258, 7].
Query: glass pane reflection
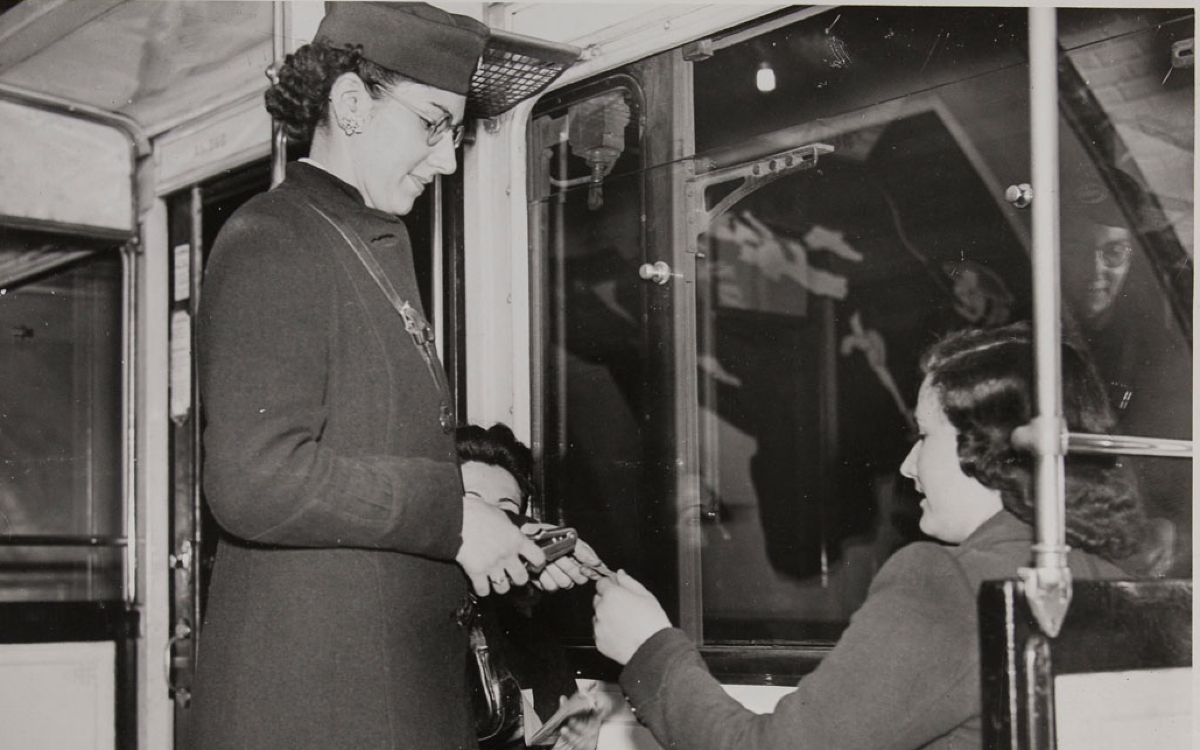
[60, 431]
[815, 292]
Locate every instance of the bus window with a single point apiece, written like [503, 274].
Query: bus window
[1127, 228]
[61, 416]
[826, 198]
[819, 289]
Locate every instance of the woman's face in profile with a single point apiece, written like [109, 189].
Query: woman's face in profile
[493, 485]
[954, 504]
[394, 159]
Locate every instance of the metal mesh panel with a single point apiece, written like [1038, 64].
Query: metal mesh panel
[514, 68]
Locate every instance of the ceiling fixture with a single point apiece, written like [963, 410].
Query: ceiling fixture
[765, 78]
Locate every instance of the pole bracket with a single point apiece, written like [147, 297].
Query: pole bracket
[1048, 593]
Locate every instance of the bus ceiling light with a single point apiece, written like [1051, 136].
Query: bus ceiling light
[765, 78]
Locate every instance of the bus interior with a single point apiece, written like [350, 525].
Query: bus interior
[696, 274]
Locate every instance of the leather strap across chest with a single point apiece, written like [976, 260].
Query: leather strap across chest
[414, 321]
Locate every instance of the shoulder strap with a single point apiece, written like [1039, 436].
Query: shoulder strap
[414, 322]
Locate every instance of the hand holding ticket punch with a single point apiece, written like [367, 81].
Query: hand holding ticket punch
[558, 542]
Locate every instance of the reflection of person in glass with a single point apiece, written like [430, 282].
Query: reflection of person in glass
[1111, 251]
[498, 469]
[980, 296]
[905, 674]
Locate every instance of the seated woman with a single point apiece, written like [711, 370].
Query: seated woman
[905, 674]
[498, 469]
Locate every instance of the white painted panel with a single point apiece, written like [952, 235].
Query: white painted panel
[566, 22]
[63, 169]
[58, 695]
[621, 731]
[613, 34]
[1124, 710]
[226, 139]
[155, 709]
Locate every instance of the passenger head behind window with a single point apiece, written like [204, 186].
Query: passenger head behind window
[984, 378]
[496, 467]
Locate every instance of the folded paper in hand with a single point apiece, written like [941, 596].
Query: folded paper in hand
[580, 704]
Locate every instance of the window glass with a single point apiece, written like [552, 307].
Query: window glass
[1127, 227]
[820, 288]
[595, 364]
[60, 431]
[848, 198]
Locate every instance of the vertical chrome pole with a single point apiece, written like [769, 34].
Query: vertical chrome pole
[129, 425]
[1047, 585]
[278, 137]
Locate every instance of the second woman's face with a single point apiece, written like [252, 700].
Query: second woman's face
[395, 162]
[493, 485]
[954, 504]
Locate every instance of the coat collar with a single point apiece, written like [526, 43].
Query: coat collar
[332, 193]
[1002, 527]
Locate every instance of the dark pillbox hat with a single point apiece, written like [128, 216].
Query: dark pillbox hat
[416, 40]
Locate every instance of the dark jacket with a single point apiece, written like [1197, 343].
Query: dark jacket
[329, 620]
[904, 675]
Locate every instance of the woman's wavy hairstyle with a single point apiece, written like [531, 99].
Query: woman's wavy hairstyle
[984, 378]
[300, 99]
[498, 446]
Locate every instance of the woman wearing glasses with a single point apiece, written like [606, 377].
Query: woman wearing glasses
[329, 446]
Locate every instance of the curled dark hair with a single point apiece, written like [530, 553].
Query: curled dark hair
[984, 378]
[498, 446]
[299, 101]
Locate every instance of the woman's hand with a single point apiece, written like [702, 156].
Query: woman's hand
[582, 731]
[492, 549]
[626, 616]
[567, 571]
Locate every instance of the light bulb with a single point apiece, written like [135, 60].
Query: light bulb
[765, 79]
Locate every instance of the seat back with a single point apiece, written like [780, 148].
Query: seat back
[1117, 675]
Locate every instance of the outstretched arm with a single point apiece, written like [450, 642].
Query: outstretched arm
[904, 673]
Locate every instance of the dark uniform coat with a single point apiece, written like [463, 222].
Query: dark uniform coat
[330, 620]
[904, 675]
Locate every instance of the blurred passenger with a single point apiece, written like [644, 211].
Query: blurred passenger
[905, 674]
[329, 450]
[497, 468]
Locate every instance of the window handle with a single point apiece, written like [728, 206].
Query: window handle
[658, 272]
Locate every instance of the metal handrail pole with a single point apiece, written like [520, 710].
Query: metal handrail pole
[1126, 445]
[1048, 583]
[278, 52]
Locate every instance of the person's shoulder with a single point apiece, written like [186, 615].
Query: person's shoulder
[279, 210]
[925, 570]
[271, 228]
[922, 556]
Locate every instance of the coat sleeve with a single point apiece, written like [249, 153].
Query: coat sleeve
[263, 341]
[904, 673]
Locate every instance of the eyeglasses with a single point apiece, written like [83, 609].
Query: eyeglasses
[1114, 254]
[435, 130]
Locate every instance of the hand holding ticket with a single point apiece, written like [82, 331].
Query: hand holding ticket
[576, 723]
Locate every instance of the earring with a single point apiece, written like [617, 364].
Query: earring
[350, 125]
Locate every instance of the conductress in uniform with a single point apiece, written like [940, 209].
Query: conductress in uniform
[329, 456]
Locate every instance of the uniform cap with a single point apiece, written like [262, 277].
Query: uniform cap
[495, 70]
